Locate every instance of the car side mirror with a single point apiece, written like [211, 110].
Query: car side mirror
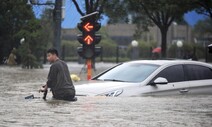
[210, 48]
[159, 81]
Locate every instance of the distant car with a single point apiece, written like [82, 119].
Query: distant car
[151, 77]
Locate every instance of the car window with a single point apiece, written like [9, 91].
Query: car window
[197, 72]
[173, 73]
[129, 72]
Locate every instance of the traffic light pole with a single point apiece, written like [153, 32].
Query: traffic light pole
[89, 39]
[89, 69]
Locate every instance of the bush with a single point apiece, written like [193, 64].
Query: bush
[108, 48]
[28, 60]
[187, 51]
[145, 49]
[69, 49]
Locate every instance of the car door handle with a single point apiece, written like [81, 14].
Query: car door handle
[184, 91]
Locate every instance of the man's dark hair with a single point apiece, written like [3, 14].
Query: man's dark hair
[53, 51]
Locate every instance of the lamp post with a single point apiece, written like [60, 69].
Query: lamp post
[135, 52]
[179, 46]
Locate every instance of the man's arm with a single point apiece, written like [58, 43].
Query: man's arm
[52, 76]
[45, 90]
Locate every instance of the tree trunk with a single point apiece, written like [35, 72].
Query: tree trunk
[163, 41]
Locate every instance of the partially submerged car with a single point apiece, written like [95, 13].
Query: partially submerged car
[151, 77]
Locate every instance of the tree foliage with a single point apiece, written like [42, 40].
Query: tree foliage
[203, 28]
[116, 10]
[47, 31]
[18, 21]
[204, 7]
[38, 34]
[160, 12]
[90, 6]
[14, 15]
[145, 13]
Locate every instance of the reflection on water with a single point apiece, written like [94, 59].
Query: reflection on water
[173, 111]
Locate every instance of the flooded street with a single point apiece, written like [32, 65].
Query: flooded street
[16, 111]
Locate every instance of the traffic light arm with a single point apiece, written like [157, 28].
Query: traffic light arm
[89, 15]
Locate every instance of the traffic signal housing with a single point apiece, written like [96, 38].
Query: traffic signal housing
[89, 53]
[88, 38]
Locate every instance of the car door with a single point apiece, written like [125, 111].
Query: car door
[176, 82]
[200, 79]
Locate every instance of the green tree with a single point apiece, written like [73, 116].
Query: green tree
[39, 35]
[160, 12]
[204, 7]
[116, 10]
[18, 21]
[145, 13]
[90, 6]
[33, 46]
[47, 30]
[14, 15]
[203, 27]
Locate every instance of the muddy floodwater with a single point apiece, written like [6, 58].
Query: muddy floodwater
[16, 111]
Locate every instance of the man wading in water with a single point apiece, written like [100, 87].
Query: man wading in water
[59, 79]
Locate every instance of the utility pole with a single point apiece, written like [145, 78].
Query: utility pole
[57, 17]
[57, 14]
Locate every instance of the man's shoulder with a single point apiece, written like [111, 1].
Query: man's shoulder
[58, 63]
[61, 61]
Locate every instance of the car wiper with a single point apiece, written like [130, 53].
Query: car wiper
[98, 79]
[115, 80]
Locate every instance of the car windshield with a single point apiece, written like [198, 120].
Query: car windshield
[129, 72]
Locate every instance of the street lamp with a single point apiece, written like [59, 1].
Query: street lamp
[135, 52]
[22, 40]
[134, 43]
[179, 45]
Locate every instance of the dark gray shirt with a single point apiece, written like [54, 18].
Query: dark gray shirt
[59, 80]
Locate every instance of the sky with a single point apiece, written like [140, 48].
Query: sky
[72, 17]
[192, 17]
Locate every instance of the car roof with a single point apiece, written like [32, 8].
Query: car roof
[166, 62]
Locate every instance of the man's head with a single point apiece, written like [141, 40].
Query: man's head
[52, 55]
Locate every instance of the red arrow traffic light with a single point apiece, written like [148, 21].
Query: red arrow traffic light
[88, 27]
[88, 40]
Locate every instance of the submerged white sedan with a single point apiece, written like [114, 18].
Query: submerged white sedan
[150, 77]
